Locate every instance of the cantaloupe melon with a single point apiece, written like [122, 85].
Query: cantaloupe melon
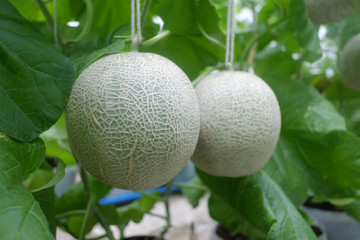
[349, 63]
[240, 124]
[133, 120]
[329, 11]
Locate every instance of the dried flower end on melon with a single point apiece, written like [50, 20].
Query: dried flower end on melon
[240, 124]
[329, 11]
[349, 63]
[133, 120]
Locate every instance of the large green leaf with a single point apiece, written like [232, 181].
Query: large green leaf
[46, 199]
[330, 161]
[191, 54]
[35, 79]
[193, 190]
[259, 200]
[302, 107]
[229, 218]
[302, 27]
[20, 214]
[18, 160]
[187, 46]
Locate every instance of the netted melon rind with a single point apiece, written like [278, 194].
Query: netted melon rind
[329, 11]
[133, 120]
[240, 124]
[349, 63]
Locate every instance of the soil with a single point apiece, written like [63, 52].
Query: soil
[141, 238]
[222, 232]
[323, 206]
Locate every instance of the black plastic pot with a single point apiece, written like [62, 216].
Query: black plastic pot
[338, 225]
[141, 238]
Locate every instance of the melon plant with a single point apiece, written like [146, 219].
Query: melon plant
[349, 63]
[240, 124]
[133, 120]
[329, 11]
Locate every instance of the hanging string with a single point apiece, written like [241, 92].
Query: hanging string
[136, 36]
[230, 33]
[138, 21]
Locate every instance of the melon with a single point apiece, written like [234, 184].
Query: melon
[329, 11]
[349, 63]
[240, 124]
[133, 120]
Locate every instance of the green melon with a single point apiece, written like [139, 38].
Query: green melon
[349, 63]
[329, 11]
[133, 120]
[240, 124]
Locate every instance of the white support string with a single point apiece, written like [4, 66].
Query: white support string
[230, 33]
[138, 21]
[133, 20]
[136, 36]
[233, 29]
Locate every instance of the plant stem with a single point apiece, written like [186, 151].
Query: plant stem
[156, 39]
[96, 212]
[192, 186]
[167, 208]
[252, 52]
[89, 208]
[46, 13]
[103, 222]
[254, 40]
[210, 38]
[144, 12]
[89, 19]
[70, 214]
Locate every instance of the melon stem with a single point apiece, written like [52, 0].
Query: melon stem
[167, 208]
[94, 209]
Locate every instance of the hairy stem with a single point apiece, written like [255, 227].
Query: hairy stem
[257, 38]
[192, 186]
[46, 13]
[95, 209]
[89, 208]
[253, 49]
[89, 19]
[167, 208]
[70, 214]
[144, 12]
[156, 39]
[210, 38]
[104, 223]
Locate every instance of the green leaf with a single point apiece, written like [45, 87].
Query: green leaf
[35, 79]
[304, 30]
[46, 199]
[274, 213]
[229, 218]
[353, 209]
[191, 54]
[193, 190]
[302, 107]
[286, 65]
[136, 210]
[75, 198]
[84, 61]
[19, 160]
[330, 161]
[187, 46]
[59, 174]
[56, 142]
[21, 216]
